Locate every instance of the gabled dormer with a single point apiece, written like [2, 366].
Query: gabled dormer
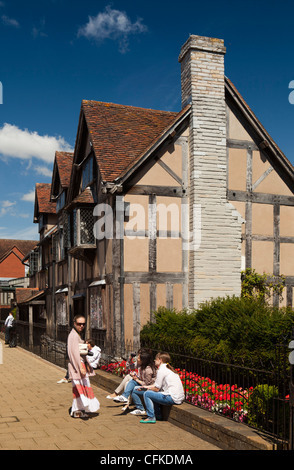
[84, 169]
[62, 168]
[45, 216]
[78, 220]
[44, 209]
[61, 178]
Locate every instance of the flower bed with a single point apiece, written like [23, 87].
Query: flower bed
[225, 399]
[117, 368]
[229, 400]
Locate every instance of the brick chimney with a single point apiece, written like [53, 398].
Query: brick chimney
[215, 263]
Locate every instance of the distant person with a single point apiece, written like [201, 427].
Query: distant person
[80, 370]
[95, 357]
[9, 324]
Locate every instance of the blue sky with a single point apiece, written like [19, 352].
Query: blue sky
[54, 53]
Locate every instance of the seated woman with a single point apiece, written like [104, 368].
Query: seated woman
[146, 376]
[131, 365]
[167, 389]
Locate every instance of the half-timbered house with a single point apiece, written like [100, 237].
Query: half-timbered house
[166, 208]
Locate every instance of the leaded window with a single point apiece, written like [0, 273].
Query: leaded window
[83, 224]
[87, 174]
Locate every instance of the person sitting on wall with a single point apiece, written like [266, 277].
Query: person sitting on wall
[145, 376]
[95, 357]
[167, 389]
[131, 365]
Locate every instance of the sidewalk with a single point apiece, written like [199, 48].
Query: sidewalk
[34, 415]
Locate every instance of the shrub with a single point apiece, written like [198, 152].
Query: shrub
[238, 329]
[171, 328]
[261, 406]
[261, 286]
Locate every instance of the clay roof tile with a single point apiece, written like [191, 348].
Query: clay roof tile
[120, 134]
[43, 191]
[24, 246]
[64, 162]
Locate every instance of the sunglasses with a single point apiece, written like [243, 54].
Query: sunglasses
[80, 324]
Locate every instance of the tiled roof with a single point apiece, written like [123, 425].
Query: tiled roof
[35, 295]
[22, 294]
[121, 134]
[86, 197]
[64, 162]
[25, 246]
[43, 191]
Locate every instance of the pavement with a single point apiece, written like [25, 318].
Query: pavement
[34, 415]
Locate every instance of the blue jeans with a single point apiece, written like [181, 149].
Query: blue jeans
[129, 388]
[136, 396]
[153, 400]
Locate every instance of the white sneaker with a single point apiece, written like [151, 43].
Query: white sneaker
[120, 399]
[110, 397]
[62, 381]
[138, 412]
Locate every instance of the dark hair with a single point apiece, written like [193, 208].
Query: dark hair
[145, 350]
[146, 359]
[90, 341]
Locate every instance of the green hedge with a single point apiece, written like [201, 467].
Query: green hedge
[232, 329]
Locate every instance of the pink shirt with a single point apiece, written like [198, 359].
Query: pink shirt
[75, 359]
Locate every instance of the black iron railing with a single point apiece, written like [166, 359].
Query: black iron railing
[254, 396]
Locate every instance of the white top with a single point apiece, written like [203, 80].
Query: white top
[94, 360]
[9, 321]
[169, 383]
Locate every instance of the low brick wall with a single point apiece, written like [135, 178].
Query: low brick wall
[223, 432]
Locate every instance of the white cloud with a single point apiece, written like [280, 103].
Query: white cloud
[6, 206]
[43, 170]
[23, 144]
[9, 21]
[112, 24]
[29, 197]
